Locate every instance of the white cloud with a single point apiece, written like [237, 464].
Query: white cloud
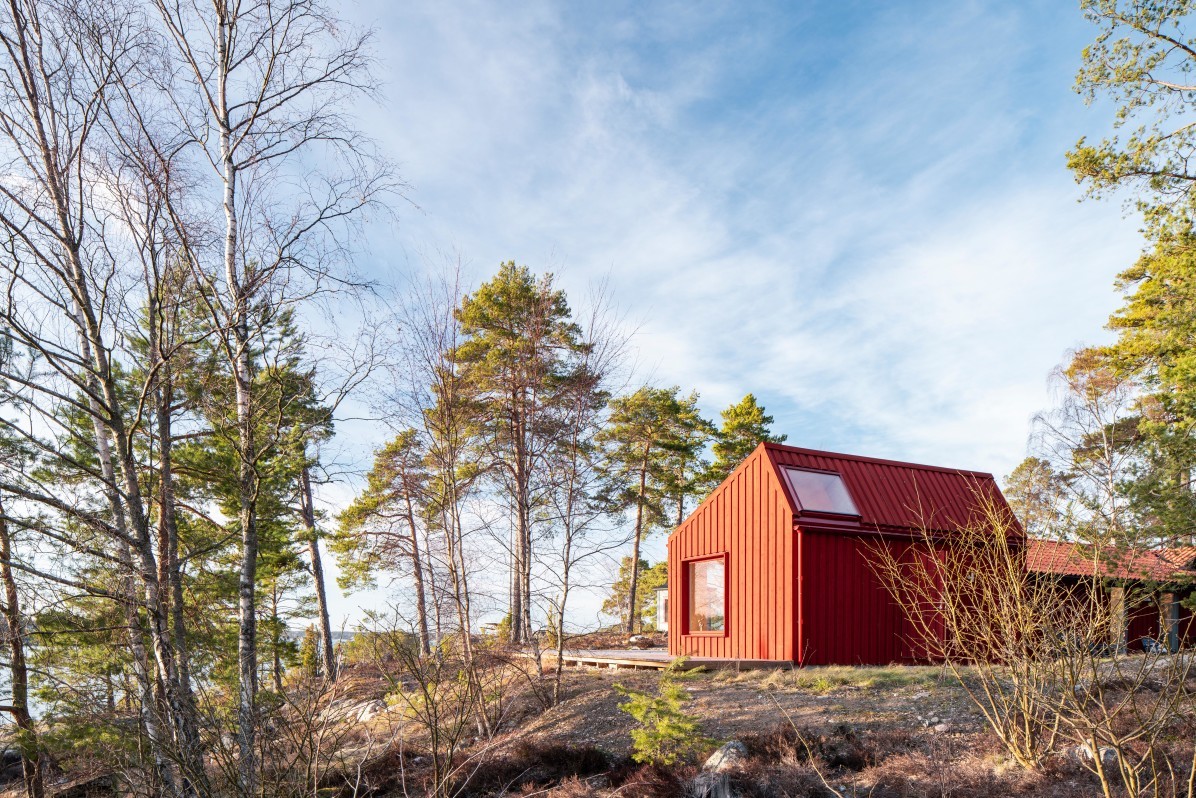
[862, 218]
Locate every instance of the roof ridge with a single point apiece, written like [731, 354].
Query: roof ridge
[877, 460]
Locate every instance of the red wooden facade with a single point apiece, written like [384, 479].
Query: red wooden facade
[797, 585]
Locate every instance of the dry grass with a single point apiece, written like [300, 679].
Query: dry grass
[823, 680]
[868, 731]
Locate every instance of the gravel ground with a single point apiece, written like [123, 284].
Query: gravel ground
[731, 706]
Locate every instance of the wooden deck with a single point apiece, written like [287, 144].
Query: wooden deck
[658, 659]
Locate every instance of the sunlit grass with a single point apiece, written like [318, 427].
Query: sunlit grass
[826, 679]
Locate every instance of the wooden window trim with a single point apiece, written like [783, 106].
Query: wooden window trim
[726, 630]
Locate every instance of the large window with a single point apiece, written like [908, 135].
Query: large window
[820, 492]
[707, 595]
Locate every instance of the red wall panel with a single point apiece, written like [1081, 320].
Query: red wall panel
[749, 519]
[848, 617]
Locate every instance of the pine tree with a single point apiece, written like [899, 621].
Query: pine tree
[647, 431]
[1035, 494]
[518, 359]
[666, 735]
[383, 527]
[745, 426]
[650, 578]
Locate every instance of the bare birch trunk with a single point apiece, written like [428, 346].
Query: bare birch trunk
[51, 134]
[417, 571]
[247, 776]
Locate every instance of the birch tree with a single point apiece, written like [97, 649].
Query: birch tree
[262, 94]
[578, 519]
[66, 307]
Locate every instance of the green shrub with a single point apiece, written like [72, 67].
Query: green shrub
[309, 653]
[502, 631]
[666, 734]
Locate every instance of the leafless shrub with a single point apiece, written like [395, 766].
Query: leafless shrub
[652, 781]
[447, 704]
[528, 766]
[320, 735]
[1039, 659]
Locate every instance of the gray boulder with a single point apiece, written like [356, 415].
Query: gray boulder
[1083, 754]
[710, 785]
[730, 756]
[712, 782]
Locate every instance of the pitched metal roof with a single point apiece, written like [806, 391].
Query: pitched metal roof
[891, 494]
[1074, 559]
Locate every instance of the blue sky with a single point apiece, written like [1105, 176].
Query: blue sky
[859, 212]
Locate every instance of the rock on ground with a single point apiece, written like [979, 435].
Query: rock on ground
[730, 756]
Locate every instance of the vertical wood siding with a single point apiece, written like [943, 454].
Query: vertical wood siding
[747, 518]
[1143, 622]
[849, 618]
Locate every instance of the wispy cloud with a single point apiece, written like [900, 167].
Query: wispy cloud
[860, 215]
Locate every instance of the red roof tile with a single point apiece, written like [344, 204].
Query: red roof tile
[1074, 559]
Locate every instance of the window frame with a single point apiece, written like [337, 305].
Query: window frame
[724, 557]
[803, 510]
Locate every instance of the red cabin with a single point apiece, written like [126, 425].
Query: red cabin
[773, 565]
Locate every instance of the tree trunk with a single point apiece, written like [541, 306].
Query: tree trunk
[566, 566]
[153, 682]
[246, 477]
[170, 579]
[521, 609]
[276, 635]
[519, 630]
[168, 550]
[635, 548]
[516, 589]
[27, 743]
[317, 574]
[460, 580]
[434, 591]
[131, 521]
[417, 571]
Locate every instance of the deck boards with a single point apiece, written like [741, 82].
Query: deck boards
[658, 659]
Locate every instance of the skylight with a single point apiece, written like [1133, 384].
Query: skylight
[820, 492]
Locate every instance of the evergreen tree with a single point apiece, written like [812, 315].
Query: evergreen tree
[647, 431]
[309, 652]
[1035, 494]
[1139, 63]
[650, 578]
[519, 356]
[383, 527]
[666, 734]
[1155, 353]
[745, 426]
